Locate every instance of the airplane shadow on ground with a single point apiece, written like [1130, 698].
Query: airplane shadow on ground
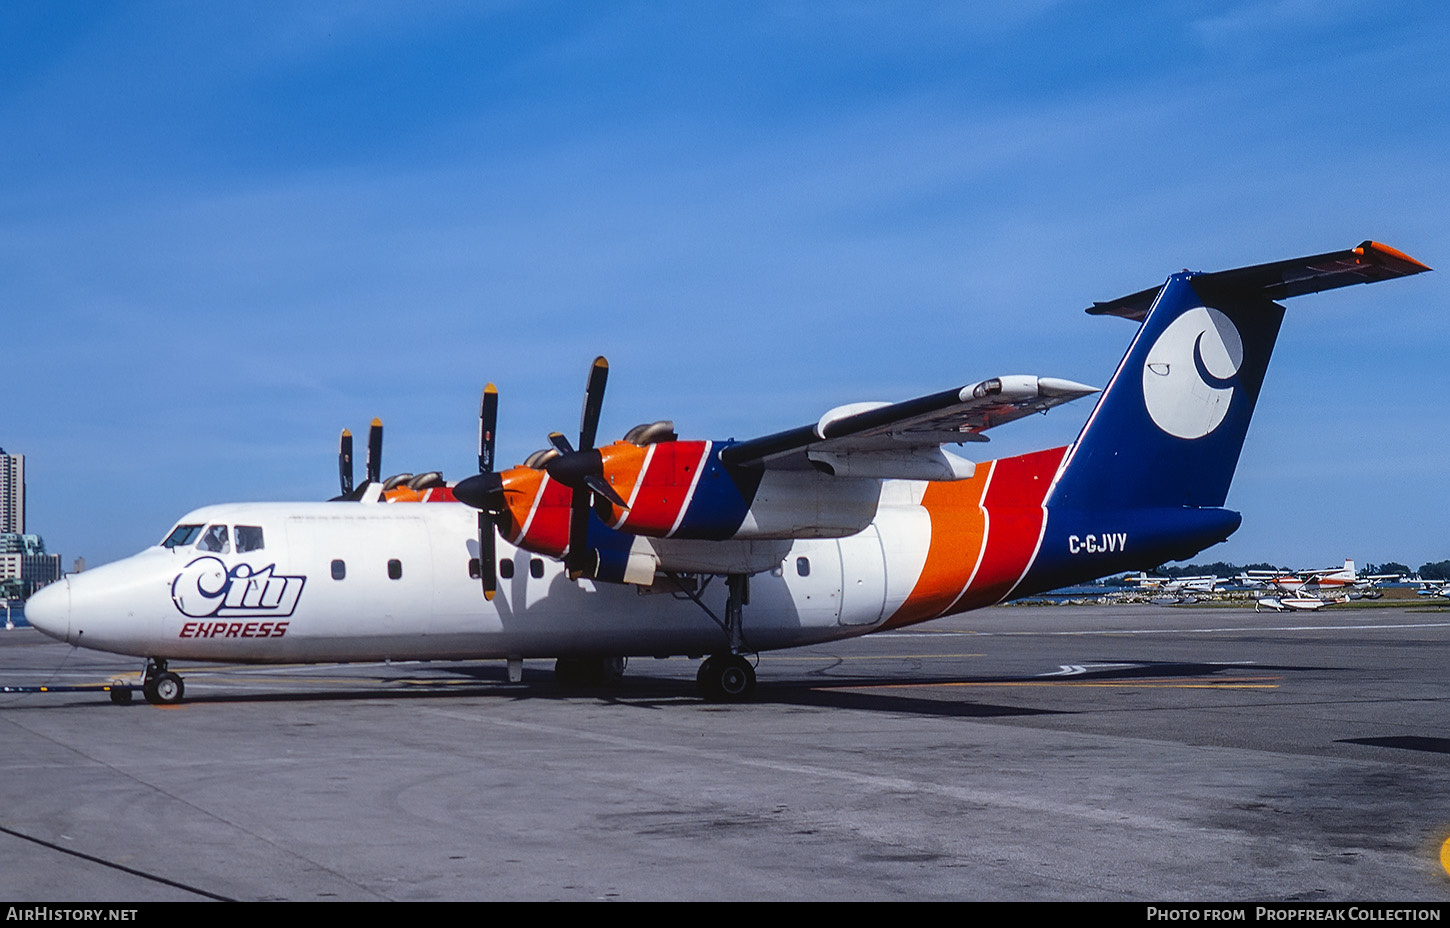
[877, 693]
[1404, 742]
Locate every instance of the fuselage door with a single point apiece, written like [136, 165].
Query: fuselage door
[863, 577]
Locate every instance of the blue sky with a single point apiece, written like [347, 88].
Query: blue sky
[229, 230]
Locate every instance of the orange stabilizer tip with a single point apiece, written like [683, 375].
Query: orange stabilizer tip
[1392, 253]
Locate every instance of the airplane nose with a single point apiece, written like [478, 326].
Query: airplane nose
[48, 610]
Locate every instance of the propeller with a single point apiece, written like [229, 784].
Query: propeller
[484, 492]
[582, 471]
[374, 464]
[487, 554]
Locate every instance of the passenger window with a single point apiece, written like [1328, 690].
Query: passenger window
[803, 566]
[536, 568]
[249, 538]
[339, 569]
[181, 536]
[506, 568]
[395, 569]
[214, 539]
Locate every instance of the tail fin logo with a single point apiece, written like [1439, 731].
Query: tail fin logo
[1189, 375]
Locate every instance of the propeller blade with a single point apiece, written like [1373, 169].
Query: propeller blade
[601, 487]
[344, 462]
[375, 451]
[487, 555]
[577, 560]
[560, 443]
[487, 423]
[593, 403]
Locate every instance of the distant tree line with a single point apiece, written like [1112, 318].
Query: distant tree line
[1217, 569]
[1434, 570]
[1388, 567]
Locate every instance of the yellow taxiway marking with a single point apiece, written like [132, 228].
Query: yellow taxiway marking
[1445, 855]
[1225, 685]
[354, 681]
[866, 657]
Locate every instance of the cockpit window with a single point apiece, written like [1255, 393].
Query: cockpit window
[249, 538]
[214, 539]
[181, 536]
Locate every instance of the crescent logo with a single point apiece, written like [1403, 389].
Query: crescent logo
[1189, 376]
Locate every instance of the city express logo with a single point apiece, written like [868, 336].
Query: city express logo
[205, 588]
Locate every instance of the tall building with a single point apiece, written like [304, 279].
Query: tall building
[12, 493]
[24, 565]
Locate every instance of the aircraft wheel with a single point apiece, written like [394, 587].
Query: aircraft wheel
[726, 679]
[164, 689]
[121, 695]
[702, 676]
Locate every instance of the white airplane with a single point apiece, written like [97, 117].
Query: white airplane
[1292, 603]
[1205, 583]
[1440, 588]
[1256, 579]
[860, 521]
[1332, 582]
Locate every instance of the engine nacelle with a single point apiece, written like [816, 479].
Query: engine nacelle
[681, 490]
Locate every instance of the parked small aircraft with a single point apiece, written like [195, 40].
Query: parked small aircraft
[1294, 602]
[1440, 588]
[860, 521]
[1311, 589]
[1205, 583]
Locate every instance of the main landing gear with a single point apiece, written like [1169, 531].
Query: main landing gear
[160, 686]
[728, 677]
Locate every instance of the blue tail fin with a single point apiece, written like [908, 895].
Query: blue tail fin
[1146, 480]
[1168, 429]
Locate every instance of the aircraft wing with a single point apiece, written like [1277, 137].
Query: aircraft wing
[904, 439]
[1366, 263]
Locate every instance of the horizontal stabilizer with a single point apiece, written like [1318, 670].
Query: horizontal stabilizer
[1368, 263]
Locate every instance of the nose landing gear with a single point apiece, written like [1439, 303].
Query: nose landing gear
[160, 686]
